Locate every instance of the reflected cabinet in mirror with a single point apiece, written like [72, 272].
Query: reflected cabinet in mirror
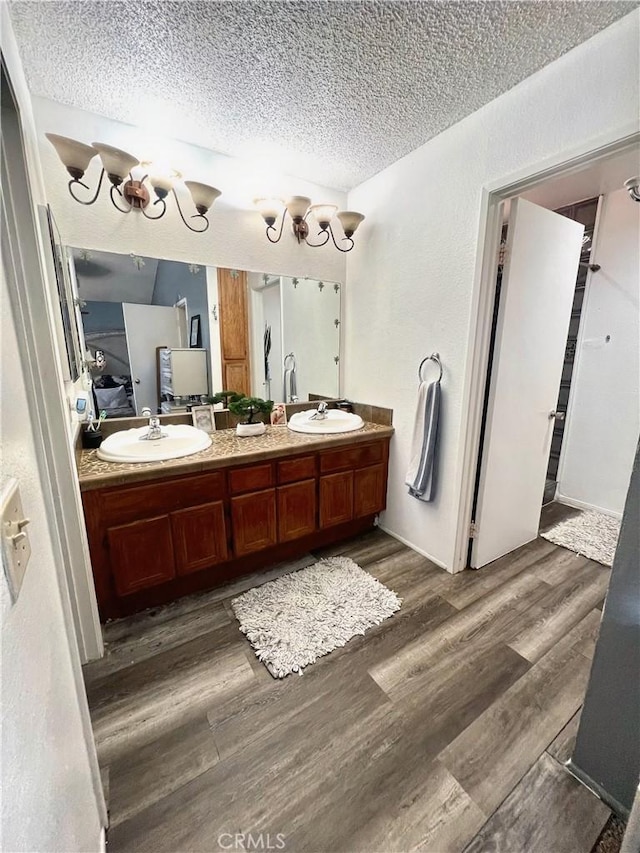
[163, 334]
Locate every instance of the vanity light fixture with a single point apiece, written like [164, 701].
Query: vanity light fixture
[302, 212]
[632, 186]
[126, 193]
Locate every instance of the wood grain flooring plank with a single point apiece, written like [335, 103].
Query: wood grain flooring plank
[561, 747]
[437, 816]
[155, 770]
[564, 566]
[383, 798]
[144, 701]
[140, 623]
[402, 569]
[472, 584]
[365, 549]
[271, 785]
[554, 512]
[558, 611]
[547, 811]
[261, 708]
[493, 619]
[136, 646]
[337, 760]
[490, 757]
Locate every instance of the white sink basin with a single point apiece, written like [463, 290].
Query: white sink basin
[336, 421]
[126, 446]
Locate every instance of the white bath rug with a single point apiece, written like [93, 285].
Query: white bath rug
[292, 621]
[590, 534]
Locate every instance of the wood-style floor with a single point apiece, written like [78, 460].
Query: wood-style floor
[443, 729]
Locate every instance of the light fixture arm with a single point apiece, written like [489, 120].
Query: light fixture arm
[115, 191]
[162, 212]
[271, 228]
[323, 243]
[350, 239]
[195, 216]
[75, 181]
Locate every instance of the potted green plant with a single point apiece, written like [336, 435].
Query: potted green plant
[248, 408]
[224, 397]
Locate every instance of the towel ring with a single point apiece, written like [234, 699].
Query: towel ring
[435, 356]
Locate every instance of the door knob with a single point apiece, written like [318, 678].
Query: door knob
[137, 381]
[559, 416]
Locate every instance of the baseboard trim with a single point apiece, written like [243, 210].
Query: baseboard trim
[415, 548]
[562, 499]
[597, 789]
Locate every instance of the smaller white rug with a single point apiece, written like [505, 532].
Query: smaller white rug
[294, 620]
[591, 534]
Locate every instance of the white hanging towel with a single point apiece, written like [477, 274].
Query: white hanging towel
[422, 473]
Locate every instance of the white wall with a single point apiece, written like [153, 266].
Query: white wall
[411, 276]
[236, 238]
[47, 797]
[315, 343]
[603, 420]
[49, 801]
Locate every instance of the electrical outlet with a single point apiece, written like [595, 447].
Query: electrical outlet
[16, 548]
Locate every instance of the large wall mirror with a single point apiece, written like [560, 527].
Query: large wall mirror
[161, 334]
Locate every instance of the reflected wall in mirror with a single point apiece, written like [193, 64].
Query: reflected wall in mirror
[132, 307]
[295, 337]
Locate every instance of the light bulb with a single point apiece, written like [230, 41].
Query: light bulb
[324, 213]
[269, 208]
[117, 163]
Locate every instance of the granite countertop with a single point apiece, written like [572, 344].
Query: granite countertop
[226, 449]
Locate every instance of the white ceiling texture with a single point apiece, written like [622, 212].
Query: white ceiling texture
[331, 91]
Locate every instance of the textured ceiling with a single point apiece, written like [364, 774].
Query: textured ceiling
[332, 91]
[107, 277]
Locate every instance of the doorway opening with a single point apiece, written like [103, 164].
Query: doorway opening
[514, 461]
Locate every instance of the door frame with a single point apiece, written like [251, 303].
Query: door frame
[476, 367]
[24, 254]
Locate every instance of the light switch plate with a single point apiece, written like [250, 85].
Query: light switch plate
[16, 548]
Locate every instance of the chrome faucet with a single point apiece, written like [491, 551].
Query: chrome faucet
[321, 413]
[155, 430]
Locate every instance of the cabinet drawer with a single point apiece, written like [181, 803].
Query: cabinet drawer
[351, 457]
[302, 468]
[141, 554]
[126, 504]
[250, 479]
[254, 522]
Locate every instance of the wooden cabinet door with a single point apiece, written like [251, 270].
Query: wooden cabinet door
[199, 537]
[234, 329]
[141, 554]
[296, 510]
[235, 376]
[336, 498]
[254, 521]
[369, 491]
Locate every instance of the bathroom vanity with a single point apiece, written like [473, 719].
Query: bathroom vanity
[158, 531]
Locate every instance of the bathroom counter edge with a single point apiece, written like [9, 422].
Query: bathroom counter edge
[226, 450]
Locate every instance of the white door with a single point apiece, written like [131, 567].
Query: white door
[148, 327]
[542, 257]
